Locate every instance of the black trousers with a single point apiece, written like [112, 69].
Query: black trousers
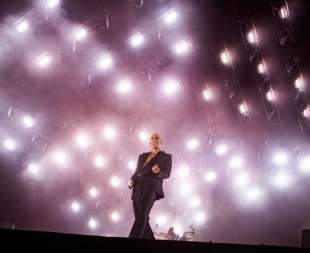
[143, 200]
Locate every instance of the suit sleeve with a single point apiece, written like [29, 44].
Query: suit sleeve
[134, 176]
[166, 167]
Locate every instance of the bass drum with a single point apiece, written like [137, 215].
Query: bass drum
[190, 236]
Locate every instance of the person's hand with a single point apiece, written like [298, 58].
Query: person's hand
[156, 169]
[130, 183]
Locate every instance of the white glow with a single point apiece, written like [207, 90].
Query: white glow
[271, 95]
[300, 84]
[28, 121]
[200, 217]
[9, 144]
[192, 144]
[182, 47]
[93, 192]
[22, 26]
[221, 149]
[207, 94]
[226, 57]
[242, 180]
[284, 12]
[194, 202]
[131, 165]
[178, 228]
[185, 189]
[115, 181]
[75, 206]
[161, 220]
[92, 223]
[137, 40]
[44, 60]
[123, 87]
[33, 168]
[99, 161]
[170, 17]
[170, 87]
[82, 140]
[252, 37]
[105, 62]
[60, 158]
[183, 171]
[243, 108]
[254, 195]
[262, 67]
[115, 216]
[211, 176]
[236, 162]
[109, 133]
[280, 158]
[143, 136]
[304, 164]
[52, 3]
[306, 112]
[80, 34]
[282, 180]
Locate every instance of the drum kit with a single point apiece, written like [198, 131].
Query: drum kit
[190, 235]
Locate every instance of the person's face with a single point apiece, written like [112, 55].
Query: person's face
[155, 141]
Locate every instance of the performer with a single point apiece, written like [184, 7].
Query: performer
[147, 186]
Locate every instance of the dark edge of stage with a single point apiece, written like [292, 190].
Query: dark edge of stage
[42, 240]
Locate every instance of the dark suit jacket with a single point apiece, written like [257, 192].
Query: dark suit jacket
[144, 177]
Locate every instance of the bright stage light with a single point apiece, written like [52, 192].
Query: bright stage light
[304, 164]
[280, 158]
[178, 228]
[186, 189]
[300, 84]
[83, 140]
[9, 144]
[123, 87]
[226, 57]
[137, 40]
[22, 26]
[99, 161]
[105, 62]
[28, 121]
[33, 168]
[115, 181]
[271, 95]
[306, 112]
[182, 47]
[170, 87]
[236, 162]
[115, 216]
[221, 149]
[243, 108]
[93, 192]
[192, 144]
[282, 180]
[109, 133]
[60, 158]
[75, 206]
[262, 67]
[183, 171]
[242, 180]
[131, 165]
[44, 61]
[170, 17]
[254, 194]
[161, 220]
[207, 94]
[92, 223]
[252, 37]
[284, 12]
[143, 136]
[195, 202]
[52, 3]
[211, 176]
[199, 217]
[80, 34]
